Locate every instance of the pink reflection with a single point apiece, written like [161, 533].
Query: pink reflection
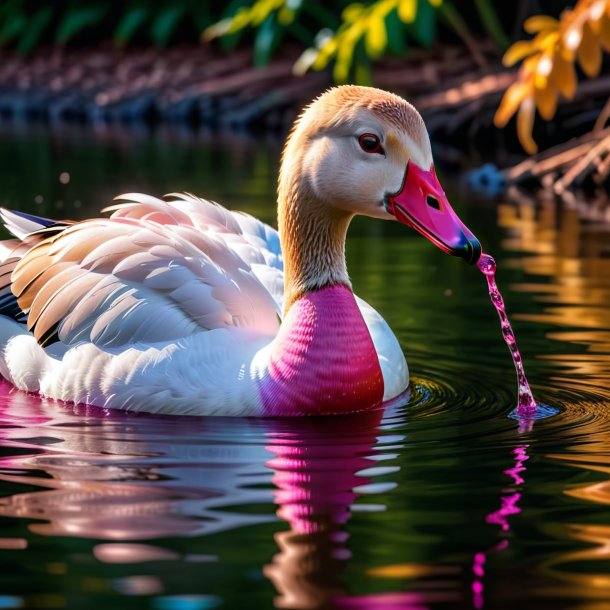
[123, 480]
[385, 601]
[509, 506]
[315, 469]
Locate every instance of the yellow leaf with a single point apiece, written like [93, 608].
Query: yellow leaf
[285, 16]
[376, 36]
[541, 69]
[239, 21]
[573, 37]
[352, 12]
[517, 52]
[407, 10]
[328, 49]
[216, 30]
[345, 53]
[260, 11]
[544, 40]
[589, 53]
[305, 61]
[546, 101]
[538, 23]
[435, 3]
[525, 124]
[563, 75]
[603, 32]
[513, 97]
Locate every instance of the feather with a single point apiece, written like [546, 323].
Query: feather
[185, 262]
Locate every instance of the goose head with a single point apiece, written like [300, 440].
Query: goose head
[360, 150]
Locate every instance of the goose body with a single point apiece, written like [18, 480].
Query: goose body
[181, 306]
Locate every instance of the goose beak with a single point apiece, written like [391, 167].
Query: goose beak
[422, 204]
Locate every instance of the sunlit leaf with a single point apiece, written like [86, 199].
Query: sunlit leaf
[352, 12]
[604, 32]
[286, 16]
[519, 50]
[325, 54]
[239, 22]
[525, 125]
[513, 97]
[345, 53]
[573, 37]
[376, 36]
[563, 76]
[546, 102]
[407, 10]
[261, 9]
[589, 52]
[305, 61]
[538, 23]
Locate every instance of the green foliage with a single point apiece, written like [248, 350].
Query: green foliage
[78, 19]
[345, 35]
[363, 33]
[350, 36]
[25, 24]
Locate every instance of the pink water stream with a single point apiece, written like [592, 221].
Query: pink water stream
[526, 404]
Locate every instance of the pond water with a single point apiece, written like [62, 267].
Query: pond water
[445, 503]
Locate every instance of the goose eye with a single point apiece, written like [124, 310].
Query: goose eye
[370, 143]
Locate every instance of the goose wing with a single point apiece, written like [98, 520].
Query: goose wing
[154, 271]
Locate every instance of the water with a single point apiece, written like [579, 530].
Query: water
[526, 404]
[447, 503]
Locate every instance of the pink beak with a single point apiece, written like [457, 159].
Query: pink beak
[422, 204]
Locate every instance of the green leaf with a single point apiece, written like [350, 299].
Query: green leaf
[362, 73]
[13, 26]
[300, 33]
[35, 29]
[133, 19]
[397, 35]
[326, 17]
[423, 29]
[202, 15]
[266, 41]
[77, 19]
[164, 25]
[492, 24]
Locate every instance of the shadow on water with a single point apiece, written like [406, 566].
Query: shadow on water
[445, 503]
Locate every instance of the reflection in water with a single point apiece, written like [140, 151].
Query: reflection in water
[315, 481]
[509, 506]
[569, 250]
[123, 478]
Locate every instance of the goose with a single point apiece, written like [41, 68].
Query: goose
[180, 306]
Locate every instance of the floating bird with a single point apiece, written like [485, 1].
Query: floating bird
[180, 306]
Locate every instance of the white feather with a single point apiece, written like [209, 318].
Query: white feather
[167, 306]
